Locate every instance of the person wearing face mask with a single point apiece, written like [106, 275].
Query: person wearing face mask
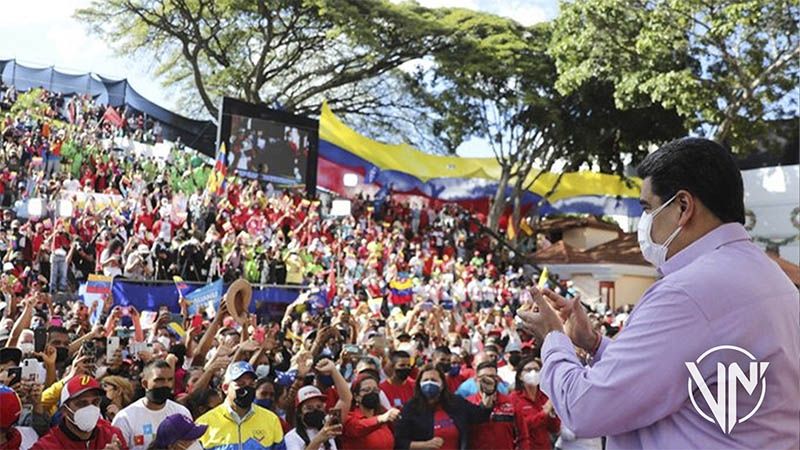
[369, 424]
[81, 426]
[717, 288]
[139, 420]
[442, 360]
[400, 387]
[237, 421]
[505, 427]
[507, 373]
[314, 428]
[472, 386]
[266, 394]
[177, 432]
[434, 418]
[533, 406]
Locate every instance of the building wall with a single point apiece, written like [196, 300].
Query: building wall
[584, 238]
[629, 288]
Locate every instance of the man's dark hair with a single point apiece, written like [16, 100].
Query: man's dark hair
[486, 365]
[704, 168]
[56, 329]
[442, 350]
[398, 354]
[153, 365]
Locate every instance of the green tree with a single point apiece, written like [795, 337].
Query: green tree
[290, 54]
[727, 67]
[497, 82]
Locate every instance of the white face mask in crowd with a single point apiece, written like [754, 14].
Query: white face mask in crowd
[655, 254]
[531, 378]
[86, 418]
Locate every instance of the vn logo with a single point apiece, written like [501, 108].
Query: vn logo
[728, 378]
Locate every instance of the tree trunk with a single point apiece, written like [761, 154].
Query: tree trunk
[499, 200]
[516, 201]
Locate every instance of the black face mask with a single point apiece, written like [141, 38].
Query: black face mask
[444, 367]
[371, 400]
[62, 353]
[514, 359]
[402, 374]
[488, 387]
[314, 419]
[245, 396]
[159, 395]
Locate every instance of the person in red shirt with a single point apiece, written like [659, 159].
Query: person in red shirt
[442, 360]
[400, 387]
[368, 425]
[534, 407]
[81, 427]
[502, 431]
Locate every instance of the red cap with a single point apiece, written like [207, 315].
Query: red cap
[10, 407]
[77, 386]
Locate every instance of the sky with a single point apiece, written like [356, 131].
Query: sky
[42, 33]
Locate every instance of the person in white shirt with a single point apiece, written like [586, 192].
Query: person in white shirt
[139, 421]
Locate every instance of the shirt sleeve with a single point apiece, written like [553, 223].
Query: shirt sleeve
[51, 395]
[121, 422]
[641, 375]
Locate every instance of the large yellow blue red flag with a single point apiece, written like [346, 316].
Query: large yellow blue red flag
[216, 181]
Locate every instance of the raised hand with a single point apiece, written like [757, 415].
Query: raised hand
[576, 322]
[543, 319]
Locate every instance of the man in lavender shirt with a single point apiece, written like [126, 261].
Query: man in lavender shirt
[717, 288]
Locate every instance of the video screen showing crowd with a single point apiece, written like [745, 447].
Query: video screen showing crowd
[268, 150]
[409, 330]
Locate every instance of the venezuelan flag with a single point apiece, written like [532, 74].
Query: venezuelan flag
[216, 180]
[98, 284]
[470, 182]
[401, 290]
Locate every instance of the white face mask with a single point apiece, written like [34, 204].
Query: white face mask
[86, 418]
[531, 378]
[655, 254]
[262, 371]
[165, 341]
[26, 348]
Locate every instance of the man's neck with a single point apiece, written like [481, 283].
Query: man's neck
[397, 381]
[532, 391]
[72, 431]
[152, 406]
[241, 412]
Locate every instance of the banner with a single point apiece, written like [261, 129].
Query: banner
[210, 293]
[267, 301]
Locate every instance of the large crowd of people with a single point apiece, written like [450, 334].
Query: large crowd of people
[402, 335]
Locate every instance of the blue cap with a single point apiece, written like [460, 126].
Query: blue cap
[237, 369]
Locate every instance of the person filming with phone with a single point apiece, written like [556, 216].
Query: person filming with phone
[315, 426]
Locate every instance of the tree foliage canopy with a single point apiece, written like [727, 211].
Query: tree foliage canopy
[290, 54]
[728, 67]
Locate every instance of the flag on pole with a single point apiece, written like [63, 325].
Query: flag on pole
[511, 231]
[180, 285]
[112, 116]
[543, 278]
[216, 180]
[525, 227]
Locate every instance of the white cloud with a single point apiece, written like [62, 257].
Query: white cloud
[526, 12]
[469, 4]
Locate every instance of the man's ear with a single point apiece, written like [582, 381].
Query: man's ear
[688, 207]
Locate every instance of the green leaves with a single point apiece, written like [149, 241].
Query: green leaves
[724, 66]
